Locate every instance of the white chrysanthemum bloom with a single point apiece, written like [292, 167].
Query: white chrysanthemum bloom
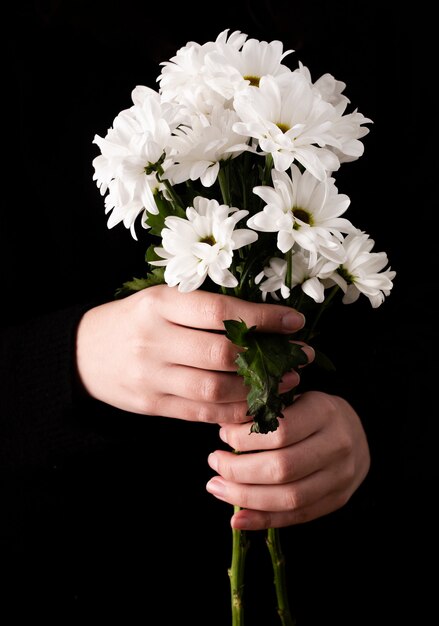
[306, 212]
[120, 207]
[202, 245]
[309, 278]
[198, 148]
[348, 128]
[230, 69]
[184, 79]
[137, 140]
[275, 274]
[362, 271]
[290, 122]
[327, 87]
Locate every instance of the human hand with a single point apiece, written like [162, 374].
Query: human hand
[152, 353]
[309, 467]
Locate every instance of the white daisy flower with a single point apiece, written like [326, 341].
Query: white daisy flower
[137, 140]
[306, 212]
[185, 79]
[230, 69]
[202, 245]
[327, 87]
[114, 148]
[348, 128]
[309, 278]
[362, 271]
[290, 122]
[275, 274]
[198, 148]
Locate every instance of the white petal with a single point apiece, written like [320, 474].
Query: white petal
[314, 289]
[243, 237]
[222, 277]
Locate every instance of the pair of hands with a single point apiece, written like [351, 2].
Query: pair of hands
[154, 353]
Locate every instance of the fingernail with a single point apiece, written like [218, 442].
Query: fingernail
[223, 435]
[212, 459]
[293, 320]
[216, 487]
[310, 353]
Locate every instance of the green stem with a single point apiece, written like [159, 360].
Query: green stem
[278, 562]
[289, 277]
[266, 180]
[236, 574]
[175, 198]
[224, 184]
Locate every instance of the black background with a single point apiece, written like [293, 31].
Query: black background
[70, 68]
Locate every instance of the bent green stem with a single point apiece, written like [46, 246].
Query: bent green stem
[236, 573]
[278, 562]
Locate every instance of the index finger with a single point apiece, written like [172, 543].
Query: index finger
[205, 310]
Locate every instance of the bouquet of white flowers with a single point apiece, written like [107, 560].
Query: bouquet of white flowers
[229, 165]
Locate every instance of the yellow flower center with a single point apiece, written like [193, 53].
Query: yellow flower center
[302, 215]
[254, 80]
[349, 278]
[283, 127]
[210, 239]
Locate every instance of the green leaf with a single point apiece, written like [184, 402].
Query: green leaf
[156, 277]
[265, 359]
[151, 254]
[156, 222]
[236, 331]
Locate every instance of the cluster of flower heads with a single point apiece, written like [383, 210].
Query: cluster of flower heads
[228, 114]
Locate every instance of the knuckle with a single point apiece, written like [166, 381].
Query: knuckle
[205, 413]
[240, 413]
[243, 498]
[234, 414]
[221, 414]
[227, 469]
[327, 403]
[145, 405]
[344, 443]
[215, 311]
[238, 416]
[280, 436]
[210, 388]
[280, 469]
[222, 353]
[350, 471]
[292, 499]
[147, 298]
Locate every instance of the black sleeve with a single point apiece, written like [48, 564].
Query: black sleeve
[57, 256]
[44, 413]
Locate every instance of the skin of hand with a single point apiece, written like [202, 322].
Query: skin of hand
[154, 353]
[309, 467]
